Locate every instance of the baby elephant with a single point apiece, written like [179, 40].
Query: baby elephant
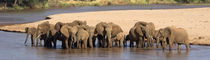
[32, 32]
[174, 35]
[119, 39]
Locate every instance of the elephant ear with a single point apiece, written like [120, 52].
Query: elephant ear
[64, 30]
[167, 31]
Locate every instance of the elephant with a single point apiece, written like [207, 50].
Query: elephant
[42, 32]
[108, 35]
[77, 22]
[32, 32]
[119, 39]
[172, 35]
[136, 35]
[66, 32]
[100, 32]
[105, 32]
[82, 36]
[149, 31]
[91, 40]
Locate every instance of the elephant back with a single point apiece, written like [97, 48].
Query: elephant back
[181, 35]
[64, 30]
[100, 28]
[116, 29]
[132, 34]
[82, 34]
[142, 23]
[58, 25]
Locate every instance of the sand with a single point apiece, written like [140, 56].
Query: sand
[195, 20]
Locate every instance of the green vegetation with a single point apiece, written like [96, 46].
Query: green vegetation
[30, 4]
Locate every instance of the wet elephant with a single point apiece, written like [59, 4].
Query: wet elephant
[32, 32]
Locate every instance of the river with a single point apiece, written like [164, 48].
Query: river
[12, 47]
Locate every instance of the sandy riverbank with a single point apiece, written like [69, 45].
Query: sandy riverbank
[195, 20]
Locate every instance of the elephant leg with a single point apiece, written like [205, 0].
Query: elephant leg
[121, 42]
[32, 40]
[170, 45]
[26, 38]
[179, 46]
[78, 44]
[152, 42]
[54, 43]
[66, 43]
[90, 42]
[131, 43]
[137, 43]
[63, 44]
[124, 43]
[141, 42]
[143, 39]
[187, 45]
[85, 44]
[93, 42]
[157, 43]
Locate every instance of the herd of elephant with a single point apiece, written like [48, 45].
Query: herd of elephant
[78, 34]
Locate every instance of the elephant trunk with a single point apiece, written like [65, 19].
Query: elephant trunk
[26, 38]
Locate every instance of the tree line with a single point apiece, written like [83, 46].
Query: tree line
[44, 3]
[23, 3]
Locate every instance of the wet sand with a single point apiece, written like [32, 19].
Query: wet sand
[194, 20]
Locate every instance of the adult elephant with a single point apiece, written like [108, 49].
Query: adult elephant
[149, 32]
[105, 32]
[115, 33]
[66, 32]
[32, 32]
[173, 35]
[43, 32]
[100, 31]
[82, 37]
[91, 40]
[136, 35]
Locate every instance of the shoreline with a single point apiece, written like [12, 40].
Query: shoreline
[63, 7]
[194, 20]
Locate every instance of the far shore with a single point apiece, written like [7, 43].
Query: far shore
[195, 20]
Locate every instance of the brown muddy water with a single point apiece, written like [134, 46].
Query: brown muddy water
[12, 47]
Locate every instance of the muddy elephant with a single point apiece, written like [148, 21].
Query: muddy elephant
[32, 32]
[82, 38]
[136, 35]
[172, 35]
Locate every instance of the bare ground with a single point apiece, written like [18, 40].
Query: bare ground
[195, 20]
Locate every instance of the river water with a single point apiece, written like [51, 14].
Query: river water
[12, 47]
